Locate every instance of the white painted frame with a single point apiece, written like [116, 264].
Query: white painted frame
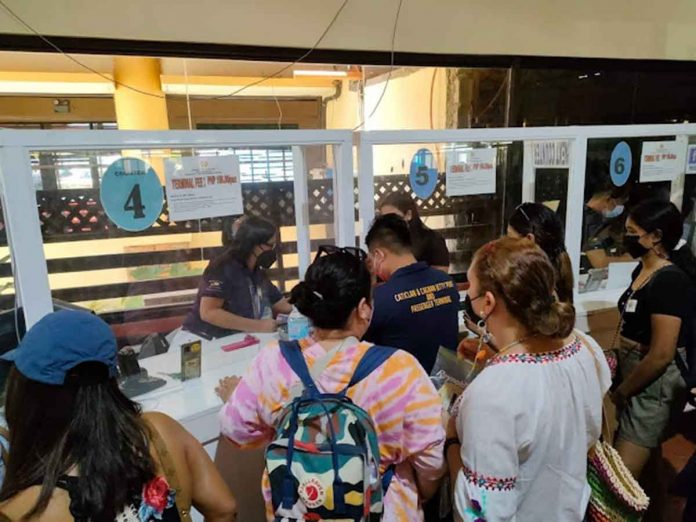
[576, 135]
[24, 230]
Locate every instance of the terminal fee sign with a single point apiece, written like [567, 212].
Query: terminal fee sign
[131, 194]
[199, 188]
[471, 172]
[660, 161]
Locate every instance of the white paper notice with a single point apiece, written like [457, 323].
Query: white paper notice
[660, 161]
[199, 188]
[471, 172]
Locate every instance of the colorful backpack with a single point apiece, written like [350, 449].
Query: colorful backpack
[323, 463]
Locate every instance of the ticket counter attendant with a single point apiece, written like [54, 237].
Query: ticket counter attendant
[428, 245]
[235, 294]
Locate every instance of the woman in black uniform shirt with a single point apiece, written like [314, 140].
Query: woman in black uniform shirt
[235, 295]
[428, 245]
[657, 310]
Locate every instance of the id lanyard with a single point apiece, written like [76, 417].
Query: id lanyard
[257, 299]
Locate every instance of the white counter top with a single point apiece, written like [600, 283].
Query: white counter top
[194, 402]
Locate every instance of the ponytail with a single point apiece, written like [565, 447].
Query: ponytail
[564, 277]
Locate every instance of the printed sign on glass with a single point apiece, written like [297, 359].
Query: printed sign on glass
[620, 164]
[423, 174]
[131, 194]
[659, 161]
[199, 188]
[471, 172]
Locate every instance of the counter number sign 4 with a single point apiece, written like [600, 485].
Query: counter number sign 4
[131, 194]
[620, 164]
[423, 174]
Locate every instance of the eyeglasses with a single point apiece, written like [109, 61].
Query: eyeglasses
[519, 207]
[328, 250]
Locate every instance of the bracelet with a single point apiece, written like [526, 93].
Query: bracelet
[451, 441]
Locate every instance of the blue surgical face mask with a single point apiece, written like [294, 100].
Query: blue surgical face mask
[615, 212]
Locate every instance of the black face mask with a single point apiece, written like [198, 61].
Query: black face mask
[632, 245]
[266, 259]
[469, 309]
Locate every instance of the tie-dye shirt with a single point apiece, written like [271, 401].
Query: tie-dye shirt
[398, 396]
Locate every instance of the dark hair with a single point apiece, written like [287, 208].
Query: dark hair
[252, 231]
[520, 273]
[391, 232]
[333, 287]
[655, 215]
[547, 229]
[92, 427]
[420, 233]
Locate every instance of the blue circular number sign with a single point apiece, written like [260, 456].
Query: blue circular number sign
[131, 194]
[620, 164]
[423, 174]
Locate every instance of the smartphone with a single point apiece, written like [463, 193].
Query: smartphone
[191, 360]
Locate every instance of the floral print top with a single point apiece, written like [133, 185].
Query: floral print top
[156, 501]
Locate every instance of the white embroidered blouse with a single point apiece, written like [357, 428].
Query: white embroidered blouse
[526, 424]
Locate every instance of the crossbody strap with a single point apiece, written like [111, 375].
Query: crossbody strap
[606, 428]
[168, 467]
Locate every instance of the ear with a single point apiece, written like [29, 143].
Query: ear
[487, 304]
[364, 310]
[656, 235]
[408, 216]
[531, 237]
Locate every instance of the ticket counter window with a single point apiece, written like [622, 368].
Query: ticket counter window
[463, 192]
[604, 262]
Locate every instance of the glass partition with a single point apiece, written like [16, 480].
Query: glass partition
[484, 187]
[604, 263]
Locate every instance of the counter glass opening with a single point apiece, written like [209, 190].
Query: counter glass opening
[463, 191]
[610, 194]
[144, 283]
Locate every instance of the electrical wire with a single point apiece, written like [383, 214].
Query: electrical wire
[493, 100]
[391, 69]
[288, 66]
[21, 21]
[280, 71]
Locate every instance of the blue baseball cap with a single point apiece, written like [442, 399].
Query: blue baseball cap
[59, 342]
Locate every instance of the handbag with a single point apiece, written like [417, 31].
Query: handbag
[615, 494]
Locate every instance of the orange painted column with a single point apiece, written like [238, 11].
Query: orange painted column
[146, 110]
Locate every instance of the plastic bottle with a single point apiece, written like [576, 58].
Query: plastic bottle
[298, 325]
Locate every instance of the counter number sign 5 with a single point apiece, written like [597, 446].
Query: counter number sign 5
[131, 194]
[423, 174]
[620, 164]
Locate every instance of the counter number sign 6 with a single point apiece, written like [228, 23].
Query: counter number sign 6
[620, 164]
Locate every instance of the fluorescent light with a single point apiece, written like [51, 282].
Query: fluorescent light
[195, 89]
[319, 72]
[37, 87]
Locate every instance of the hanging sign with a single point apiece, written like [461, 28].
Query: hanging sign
[472, 172]
[423, 174]
[691, 159]
[659, 161]
[131, 194]
[620, 164]
[199, 188]
[551, 154]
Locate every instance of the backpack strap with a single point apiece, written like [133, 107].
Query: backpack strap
[374, 357]
[292, 353]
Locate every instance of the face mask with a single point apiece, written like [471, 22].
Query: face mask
[469, 309]
[615, 212]
[266, 259]
[632, 245]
